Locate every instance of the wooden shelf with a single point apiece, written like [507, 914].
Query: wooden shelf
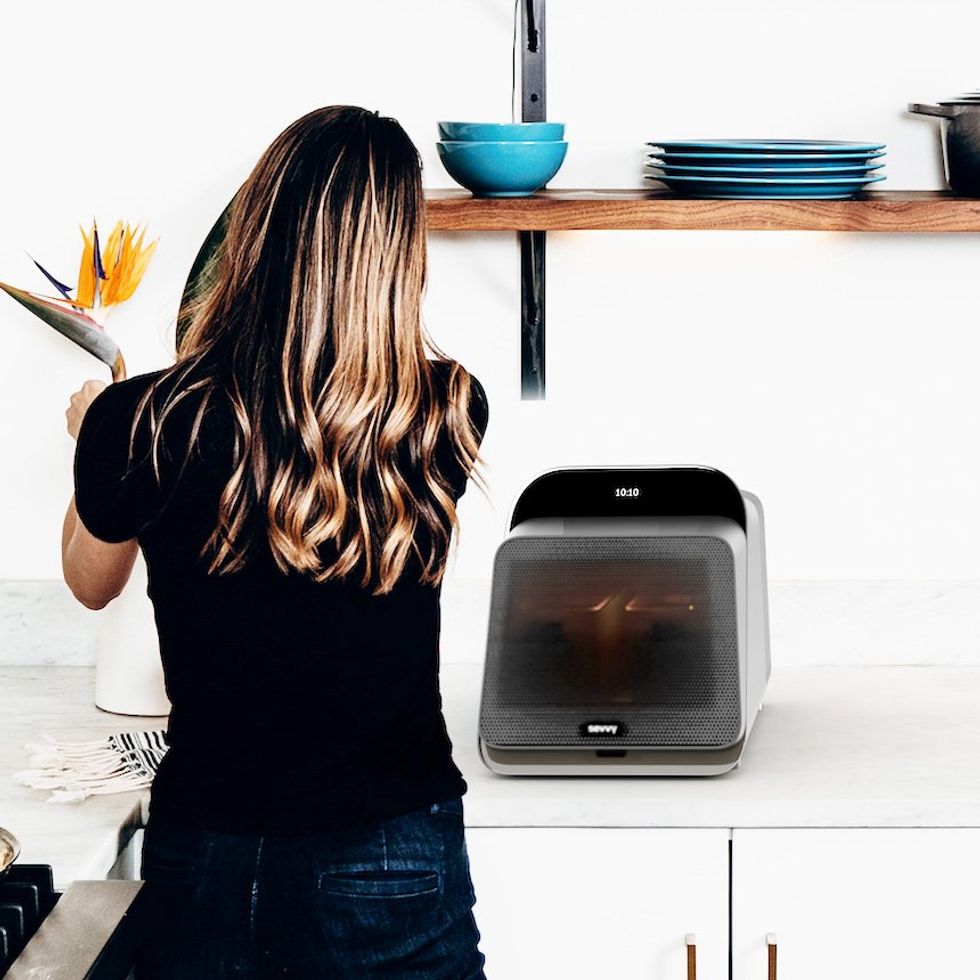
[598, 210]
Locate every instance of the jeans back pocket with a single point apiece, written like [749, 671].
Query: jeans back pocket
[392, 884]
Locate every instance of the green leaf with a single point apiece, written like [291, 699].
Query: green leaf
[76, 326]
[204, 271]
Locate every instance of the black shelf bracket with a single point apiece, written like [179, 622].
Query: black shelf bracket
[533, 109]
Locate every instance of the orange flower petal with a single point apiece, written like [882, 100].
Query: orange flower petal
[136, 271]
[110, 252]
[125, 259]
[86, 291]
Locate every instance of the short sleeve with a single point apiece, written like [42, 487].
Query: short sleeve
[116, 495]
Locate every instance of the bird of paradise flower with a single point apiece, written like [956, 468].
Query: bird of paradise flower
[107, 276]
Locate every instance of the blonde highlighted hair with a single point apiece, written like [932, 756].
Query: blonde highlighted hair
[311, 330]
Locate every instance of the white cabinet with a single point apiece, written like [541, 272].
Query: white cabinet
[127, 864]
[592, 904]
[853, 904]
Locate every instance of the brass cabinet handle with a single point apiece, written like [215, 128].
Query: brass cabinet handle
[771, 944]
[692, 956]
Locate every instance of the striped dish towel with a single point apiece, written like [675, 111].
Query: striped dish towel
[73, 771]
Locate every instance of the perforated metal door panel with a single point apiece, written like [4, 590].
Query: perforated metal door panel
[638, 632]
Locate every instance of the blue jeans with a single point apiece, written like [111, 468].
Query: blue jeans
[391, 899]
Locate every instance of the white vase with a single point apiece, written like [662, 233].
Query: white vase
[128, 671]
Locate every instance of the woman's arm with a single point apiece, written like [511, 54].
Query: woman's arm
[95, 571]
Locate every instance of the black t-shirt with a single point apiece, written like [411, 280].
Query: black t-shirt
[297, 706]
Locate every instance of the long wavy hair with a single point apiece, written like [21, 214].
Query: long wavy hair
[311, 331]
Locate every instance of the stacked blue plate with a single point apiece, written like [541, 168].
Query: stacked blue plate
[766, 168]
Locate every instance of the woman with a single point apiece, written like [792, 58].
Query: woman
[292, 481]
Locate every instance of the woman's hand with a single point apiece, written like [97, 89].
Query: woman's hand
[79, 404]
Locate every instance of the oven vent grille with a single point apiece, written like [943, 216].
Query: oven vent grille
[639, 631]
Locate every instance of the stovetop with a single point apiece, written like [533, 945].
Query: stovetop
[88, 933]
[27, 895]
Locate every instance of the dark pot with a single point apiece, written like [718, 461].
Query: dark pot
[961, 143]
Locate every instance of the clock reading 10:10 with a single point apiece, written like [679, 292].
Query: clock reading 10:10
[627, 491]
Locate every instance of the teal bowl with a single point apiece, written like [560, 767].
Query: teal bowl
[502, 169]
[502, 132]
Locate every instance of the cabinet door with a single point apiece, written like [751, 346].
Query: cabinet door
[590, 904]
[853, 904]
[127, 864]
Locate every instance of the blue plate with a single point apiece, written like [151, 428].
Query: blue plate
[775, 159]
[766, 187]
[769, 146]
[769, 170]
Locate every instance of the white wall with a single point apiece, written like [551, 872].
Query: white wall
[834, 375]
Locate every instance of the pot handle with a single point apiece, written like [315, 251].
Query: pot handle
[946, 111]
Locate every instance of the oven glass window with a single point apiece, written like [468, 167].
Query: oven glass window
[640, 631]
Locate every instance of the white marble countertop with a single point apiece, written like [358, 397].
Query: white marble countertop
[834, 747]
[80, 840]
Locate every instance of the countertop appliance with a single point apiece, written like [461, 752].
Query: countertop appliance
[628, 630]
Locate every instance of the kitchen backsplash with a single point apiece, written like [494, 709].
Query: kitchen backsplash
[41, 622]
[813, 622]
